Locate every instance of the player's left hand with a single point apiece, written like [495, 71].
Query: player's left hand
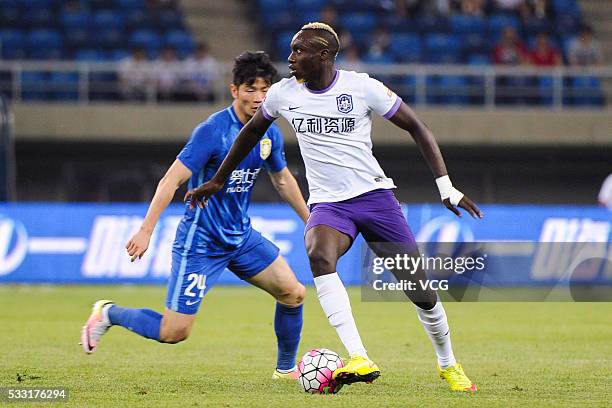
[467, 204]
[201, 194]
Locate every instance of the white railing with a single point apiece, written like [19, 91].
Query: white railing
[422, 85]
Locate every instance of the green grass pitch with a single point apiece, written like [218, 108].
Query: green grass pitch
[519, 354]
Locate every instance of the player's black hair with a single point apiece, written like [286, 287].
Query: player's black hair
[251, 65]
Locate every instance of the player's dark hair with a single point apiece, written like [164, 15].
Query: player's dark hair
[251, 65]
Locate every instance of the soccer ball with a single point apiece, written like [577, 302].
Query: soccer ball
[316, 369]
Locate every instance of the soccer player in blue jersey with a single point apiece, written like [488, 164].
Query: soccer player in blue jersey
[219, 236]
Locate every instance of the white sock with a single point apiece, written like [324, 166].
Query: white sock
[436, 325]
[337, 307]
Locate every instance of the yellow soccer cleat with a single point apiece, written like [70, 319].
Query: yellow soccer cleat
[357, 369]
[457, 379]
[291, 375]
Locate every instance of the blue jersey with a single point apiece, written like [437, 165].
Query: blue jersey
[223, 225]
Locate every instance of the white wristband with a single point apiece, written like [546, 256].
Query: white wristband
[448, 191]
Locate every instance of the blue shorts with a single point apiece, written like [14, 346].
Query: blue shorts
[194, 274]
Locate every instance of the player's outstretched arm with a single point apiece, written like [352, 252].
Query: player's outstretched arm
[287, 186]
[406, 119]
[176, 175]
[244, 143]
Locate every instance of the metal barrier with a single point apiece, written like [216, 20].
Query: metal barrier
[421, 85]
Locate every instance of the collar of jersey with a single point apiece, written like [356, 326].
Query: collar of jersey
[326, 89]
[233, 115]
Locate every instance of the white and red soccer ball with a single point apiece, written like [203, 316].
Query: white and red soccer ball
[316, 369]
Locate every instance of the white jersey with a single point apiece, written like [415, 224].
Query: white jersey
[333, 127]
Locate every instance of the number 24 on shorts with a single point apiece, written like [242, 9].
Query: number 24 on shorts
[197, 282]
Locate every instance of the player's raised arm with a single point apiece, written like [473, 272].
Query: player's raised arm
[176, 175]
[244, 143]
[406, 119]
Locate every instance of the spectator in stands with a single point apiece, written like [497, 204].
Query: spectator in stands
[349, 59]
[380, 40]
[412, 8]
[167, 72]
[544, 54]
[346, 38]
[134, 75]
[505, 6]
[202, 73]
[162, 4]
[510, 50]
[473, 7]
[585, 50]
[329, 16]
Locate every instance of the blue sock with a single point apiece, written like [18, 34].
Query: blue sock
[288, 328]
[145, 322]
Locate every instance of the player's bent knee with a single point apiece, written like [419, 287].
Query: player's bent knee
[174, 335]
[292, 297]
[321, 261]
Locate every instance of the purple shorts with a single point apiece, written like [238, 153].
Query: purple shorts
[377, 215]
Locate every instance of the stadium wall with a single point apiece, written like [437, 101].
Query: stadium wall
[146, 124]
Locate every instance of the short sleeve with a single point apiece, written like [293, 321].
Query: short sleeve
[271, 105]
[199, 148]
[276, 161]
[381, 99]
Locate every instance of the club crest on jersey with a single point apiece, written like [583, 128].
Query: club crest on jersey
[265, 148]
[345, 103]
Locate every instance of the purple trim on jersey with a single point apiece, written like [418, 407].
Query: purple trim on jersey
[393, 109]
[314, 91]
[266, 114]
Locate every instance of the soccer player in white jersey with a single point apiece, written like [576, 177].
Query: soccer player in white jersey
[331, 113]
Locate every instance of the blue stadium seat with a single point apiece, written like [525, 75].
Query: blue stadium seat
[40, 18]
[268, 5]
[34, 86]
[283, 45]
[76, 20]
[138, 20]
[38, 4]
[587, 91]
[43, 38]
[65, 86]
[479, 59]
[399, 24]
[534, 25]
[109, 38]
[48, 53]
[442, 48]
[498, 22]
[433, 24]
[310, 5]
[474, 44]
[170, 20]
[12, 4]
[13, 44]
[179, 39]
[463, 24]
[566, 7]
[118, 54]
[566, 24]
[406, 47]
[278, 20]
[10, 17]
[148, 39]
[545, 86]
[109, 19]
[455, 89]
[93, 55]
[77, 38]
[407, 89]
[308, 17]
[358, 21]
[130, 4]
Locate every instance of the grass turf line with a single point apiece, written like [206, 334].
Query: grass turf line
[519, 354]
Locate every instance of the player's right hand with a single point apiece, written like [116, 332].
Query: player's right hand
[138, 244]
[467, 204]
[201, 194]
